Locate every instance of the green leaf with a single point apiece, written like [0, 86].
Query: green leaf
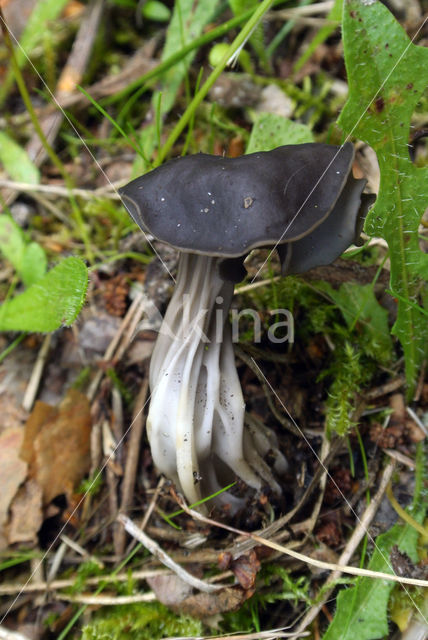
[387, 75]
[29, 260]
[34, 264]
[155, 10]
[16, 161]
[12, 243]
[271, 130]
[44, 12]
[187, 22]
[363, 312]
[362, 610]
[50, 303]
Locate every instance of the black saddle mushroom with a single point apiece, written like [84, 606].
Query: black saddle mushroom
[301, 199]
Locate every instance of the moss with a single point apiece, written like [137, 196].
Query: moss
[142, 621]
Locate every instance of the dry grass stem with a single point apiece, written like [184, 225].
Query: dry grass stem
[358, 534]
[36, 375]
[163, 557]
[351, 546]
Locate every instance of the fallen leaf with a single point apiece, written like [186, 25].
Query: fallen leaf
[57, 444]
[203, 605]
[13, 472]
[246, 568]
[26, 514]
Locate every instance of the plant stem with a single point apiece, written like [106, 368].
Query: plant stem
[236, 44]
[38, 129]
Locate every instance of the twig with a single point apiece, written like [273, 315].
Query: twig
[64, 583]
[107, 601]
[133, 453]
[278, 415]
[352, 544]
[108, 355]
[152, 504]
[385, 389]
[414, 416]
[337, 568]
[33, 385]
[81, 551]
[156, 550]
[271, 634]
[287, 14]
[70, 77]
[108, 191]
[5, 634]
[270, 530]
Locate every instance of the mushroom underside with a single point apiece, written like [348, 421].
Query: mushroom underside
[196, 417]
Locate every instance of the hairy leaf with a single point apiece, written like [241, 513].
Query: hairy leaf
[387, 75]
[53, 301]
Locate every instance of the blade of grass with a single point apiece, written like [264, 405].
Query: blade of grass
[236, 44]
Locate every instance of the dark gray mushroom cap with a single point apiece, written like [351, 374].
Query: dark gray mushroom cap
[228, 206]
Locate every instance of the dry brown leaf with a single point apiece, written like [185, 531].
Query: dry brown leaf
[13, 472]
[57, 444]
[203, 605]
[26, 514]
[246, 568]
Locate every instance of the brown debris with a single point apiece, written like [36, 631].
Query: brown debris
[115, 293]
[56, 444]
[12, 473]
[26, 514]
[329, 534]
[203, 605]
[245, 569]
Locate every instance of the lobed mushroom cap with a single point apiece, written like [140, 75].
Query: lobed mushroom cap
[227, 206]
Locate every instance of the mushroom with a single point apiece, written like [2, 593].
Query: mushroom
[301, 199]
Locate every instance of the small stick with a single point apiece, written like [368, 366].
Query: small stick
[156, 550]
[108, 192]
[352, 544]
[5, 634]
[133, 453]
[153, 504]
[107, 601]
[271, 634]
[32, 587]
[330, 566]
[108, 355]
[33, 385]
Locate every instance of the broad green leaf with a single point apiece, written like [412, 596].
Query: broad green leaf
[12, 243]
[271, 130]
[43, 13]
[16, 161]
[362, 610]
[34, 264]
[363, 312]
[387, 75]
[52, 302]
